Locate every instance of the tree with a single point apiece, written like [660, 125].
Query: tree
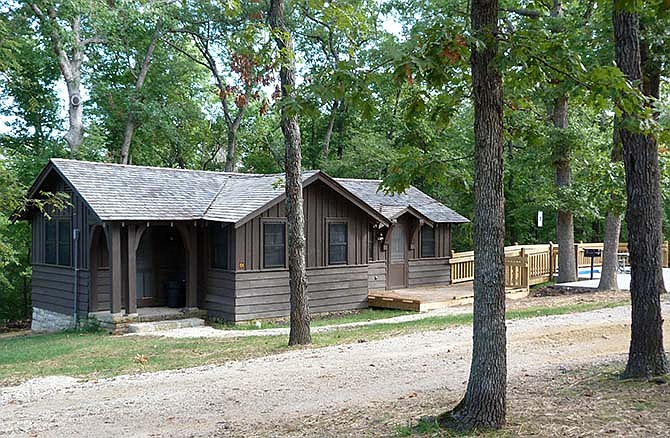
[300, 318]
[484, 404]
[131, 122]
[69, 43]
[646, 356]
[228, 43]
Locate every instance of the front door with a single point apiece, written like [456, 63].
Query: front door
[398, 257]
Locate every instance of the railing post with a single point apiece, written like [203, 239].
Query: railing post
[551, 261]
[577, 247]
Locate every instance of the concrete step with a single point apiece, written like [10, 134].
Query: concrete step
[158, 326]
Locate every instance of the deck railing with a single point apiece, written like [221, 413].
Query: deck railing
[527, 265]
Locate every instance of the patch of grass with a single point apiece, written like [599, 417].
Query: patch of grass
[318, 320]
[95, 355]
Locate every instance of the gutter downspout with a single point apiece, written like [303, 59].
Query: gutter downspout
[75, 238]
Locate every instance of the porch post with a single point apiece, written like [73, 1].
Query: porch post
[192, 292]
[131, 298]
[117, 274]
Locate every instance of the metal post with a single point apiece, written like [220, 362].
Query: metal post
[75, 238]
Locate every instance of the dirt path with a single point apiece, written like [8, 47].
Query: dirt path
[317, 392]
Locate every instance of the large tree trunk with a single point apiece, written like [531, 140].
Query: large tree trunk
[646, 355]
[300, 332]
[484, 404]
[565, 234]
[131, 122]
[608, 272]
[75, 132]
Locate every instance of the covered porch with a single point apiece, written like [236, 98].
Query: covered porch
[143, 272]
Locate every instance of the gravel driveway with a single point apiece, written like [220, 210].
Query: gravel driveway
[267, 396]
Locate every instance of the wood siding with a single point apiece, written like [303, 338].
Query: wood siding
[53, 289]
[428, 272]
[243, 296]
[321, 204]
[377, 275]
[220, 295]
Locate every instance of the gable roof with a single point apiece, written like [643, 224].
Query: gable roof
[128, 192]
[394, 205]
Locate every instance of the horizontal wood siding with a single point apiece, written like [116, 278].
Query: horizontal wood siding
[53, 288]
[266, 294]
[377, 275]
[428, 272]
[103, 288]
[320, 204]
[220, 296]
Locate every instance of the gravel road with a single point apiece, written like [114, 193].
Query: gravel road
[266, 396]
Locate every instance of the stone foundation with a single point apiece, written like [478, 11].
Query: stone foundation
[48, 321]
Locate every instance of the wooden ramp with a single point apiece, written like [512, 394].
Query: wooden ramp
[430, 298]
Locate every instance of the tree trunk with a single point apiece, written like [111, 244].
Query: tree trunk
[484, 404]
[230, 151]
[75, 132]
[329, 129]
[565, 231]
[299, 332]
[131, 122]
[608, 272]
[643, 214]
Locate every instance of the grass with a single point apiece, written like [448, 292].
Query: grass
[318, 321]
[96, 355]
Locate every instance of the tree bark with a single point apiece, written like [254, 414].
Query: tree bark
[484, 404]
[131, 122]
[646, 355]
[300, 318]
[329, 128]
[565, 231]
[608, 272]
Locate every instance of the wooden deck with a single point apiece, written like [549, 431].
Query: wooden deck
[430, 298]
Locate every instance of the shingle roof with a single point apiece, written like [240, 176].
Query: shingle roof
[125, 192]
[119, 192]
[391, 204]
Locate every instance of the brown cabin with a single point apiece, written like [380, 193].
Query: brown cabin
[142, 237]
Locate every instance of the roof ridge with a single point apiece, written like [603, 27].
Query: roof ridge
[139, 166]
[358, 179]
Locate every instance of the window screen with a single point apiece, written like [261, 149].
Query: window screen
[427, 241]
[51, 238]
[274, 245]
[219, 245]
[64, 239]
[337, 243]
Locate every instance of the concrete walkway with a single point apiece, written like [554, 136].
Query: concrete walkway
[211, 332]
[622, 279]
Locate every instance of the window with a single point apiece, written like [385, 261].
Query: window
[58, 235]
[219, 245]
[274, 245]
[337, 243]
[427, 241]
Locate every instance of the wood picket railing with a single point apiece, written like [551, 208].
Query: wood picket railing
[527, 265]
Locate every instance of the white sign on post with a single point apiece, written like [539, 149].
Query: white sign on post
[540, 218]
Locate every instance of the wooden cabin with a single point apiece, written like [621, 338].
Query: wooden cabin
[139, 237]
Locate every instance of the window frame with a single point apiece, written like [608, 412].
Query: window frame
[337, 221]
[421, 244]
[279, 221]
